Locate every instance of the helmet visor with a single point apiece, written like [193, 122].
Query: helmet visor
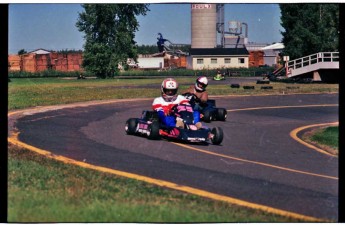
[201, 85]
[169, 92]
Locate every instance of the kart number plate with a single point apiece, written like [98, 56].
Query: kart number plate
[196, 139]
[143, 128]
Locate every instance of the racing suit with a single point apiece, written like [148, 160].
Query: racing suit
[202, 99]
[163, 108]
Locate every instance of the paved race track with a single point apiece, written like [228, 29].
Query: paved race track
[258, 163]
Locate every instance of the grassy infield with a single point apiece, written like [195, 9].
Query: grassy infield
[44, 190]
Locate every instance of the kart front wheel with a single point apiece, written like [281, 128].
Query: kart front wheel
[153, 131]
[131, 126]
[217, 135]
[221, 114]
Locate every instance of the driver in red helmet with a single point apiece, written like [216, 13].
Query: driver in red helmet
[169, 98]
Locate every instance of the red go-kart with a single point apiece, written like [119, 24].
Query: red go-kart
[150, 126]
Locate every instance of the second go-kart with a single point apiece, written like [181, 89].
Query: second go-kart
[208, 111]
[219, 76]
[150, 126]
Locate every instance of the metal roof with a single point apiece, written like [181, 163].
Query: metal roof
[40, 51]
[274, 46]
[218, 51]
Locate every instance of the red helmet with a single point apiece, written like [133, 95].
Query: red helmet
[201, 84]
[169, 89]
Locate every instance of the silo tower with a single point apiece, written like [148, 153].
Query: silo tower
[204, 20]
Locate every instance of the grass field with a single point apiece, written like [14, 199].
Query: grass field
[326, 138]
[25, 92]
[45, 190]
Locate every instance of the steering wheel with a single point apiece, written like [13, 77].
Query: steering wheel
[191, 97]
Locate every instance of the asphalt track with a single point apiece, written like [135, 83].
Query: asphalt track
[259, 164]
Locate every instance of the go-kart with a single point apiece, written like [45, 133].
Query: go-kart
[208, 110]
[150, 126]
[219, 76]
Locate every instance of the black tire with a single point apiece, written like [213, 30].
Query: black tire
[262, 82]
[266, 87]
[131, 126]
[207, 116]
[221, 114]
[154, 131]
[217, 135]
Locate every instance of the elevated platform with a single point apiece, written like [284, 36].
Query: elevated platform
[322, 66]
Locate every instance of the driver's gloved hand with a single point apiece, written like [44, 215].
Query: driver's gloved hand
[179, 123]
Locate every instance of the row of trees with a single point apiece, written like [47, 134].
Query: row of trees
[110, 28]
[147, 49]
[151, 49]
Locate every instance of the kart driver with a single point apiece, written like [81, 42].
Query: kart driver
[219, 75]
[199, 90]
[169, 98]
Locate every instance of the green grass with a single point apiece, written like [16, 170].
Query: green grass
[26, 92]
[327, 136]
[45, 190]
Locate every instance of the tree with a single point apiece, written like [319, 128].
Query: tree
[309, 28]
[22, 52]
[109, 36]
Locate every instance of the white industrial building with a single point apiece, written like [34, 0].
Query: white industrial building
[207, 20]
[271, 53]
[208, 26]
[150, 62]
[217, 58]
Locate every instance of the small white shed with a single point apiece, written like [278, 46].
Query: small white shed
[150, 62]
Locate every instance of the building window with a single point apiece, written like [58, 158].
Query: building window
[213, 61]
[241, 60]
[199, 61]
[227, 60]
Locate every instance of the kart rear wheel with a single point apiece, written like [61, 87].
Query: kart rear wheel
[221, 114]
[207, 116]
[153, 131]
[217, 135]
[131, 126]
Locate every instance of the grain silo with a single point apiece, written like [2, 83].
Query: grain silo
[204, 20]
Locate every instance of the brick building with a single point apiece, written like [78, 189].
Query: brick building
[41, 59]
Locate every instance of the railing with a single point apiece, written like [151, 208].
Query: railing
[313, 59]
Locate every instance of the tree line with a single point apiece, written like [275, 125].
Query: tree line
[151, 49]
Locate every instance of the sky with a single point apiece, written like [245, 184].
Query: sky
[52, 26]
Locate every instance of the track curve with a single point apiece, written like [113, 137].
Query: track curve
[258, 162]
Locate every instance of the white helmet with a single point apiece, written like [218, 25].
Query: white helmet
[169, 89]
[201, 84]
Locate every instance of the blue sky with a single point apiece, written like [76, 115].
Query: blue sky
[52, 26]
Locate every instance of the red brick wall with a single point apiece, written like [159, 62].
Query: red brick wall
[256, 58]
[29, 63]
[14, 62]
[56, 61]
